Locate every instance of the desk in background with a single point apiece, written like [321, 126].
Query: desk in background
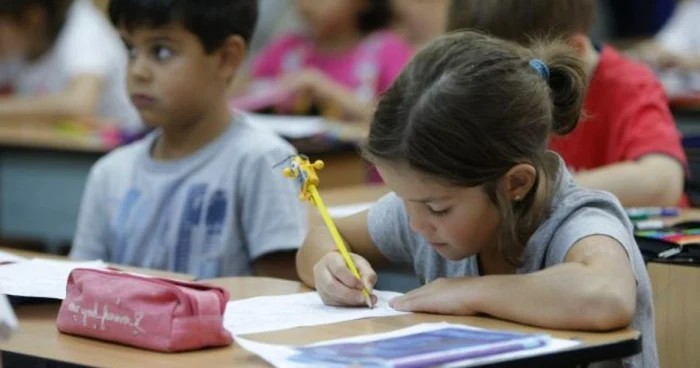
[43, 173]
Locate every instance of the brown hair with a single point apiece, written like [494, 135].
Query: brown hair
[523, 20]
[469, 107]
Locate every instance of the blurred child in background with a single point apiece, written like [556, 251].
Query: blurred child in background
[675, 51]
[628, 143]
[420, 21]
[61, 60]
[340, 64]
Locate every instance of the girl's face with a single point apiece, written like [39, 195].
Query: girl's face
[24, 38]
[423, 20]
[457, 222]
[14, 40]
[327, 17]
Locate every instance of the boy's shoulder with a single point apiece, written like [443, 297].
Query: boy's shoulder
[619, 74]
[124, 157]
[251, 140]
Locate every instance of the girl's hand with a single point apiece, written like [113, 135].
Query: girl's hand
[450, 296]
[336, 284]
[309, 81]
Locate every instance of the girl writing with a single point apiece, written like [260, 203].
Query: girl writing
[490, 220]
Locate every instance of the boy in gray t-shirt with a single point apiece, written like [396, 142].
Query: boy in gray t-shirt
[199, 195]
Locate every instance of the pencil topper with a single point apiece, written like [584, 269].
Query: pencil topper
[304, 171]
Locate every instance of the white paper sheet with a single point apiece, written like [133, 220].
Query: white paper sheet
[6, 257]
[278, 355]
[348, 210]
[294, 127]
[40, 278]
[272, 313]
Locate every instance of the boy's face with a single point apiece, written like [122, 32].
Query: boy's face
[171, 79]
[327, 16]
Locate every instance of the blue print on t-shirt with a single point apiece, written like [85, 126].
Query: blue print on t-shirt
[121, 223]
[191, 216]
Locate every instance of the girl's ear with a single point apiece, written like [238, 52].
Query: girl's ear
[231, 56]
[519, 180]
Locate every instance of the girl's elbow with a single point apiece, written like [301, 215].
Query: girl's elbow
[608, 310]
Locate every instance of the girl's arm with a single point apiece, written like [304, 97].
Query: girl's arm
[594, 289]
[319, 243]
[78, 101]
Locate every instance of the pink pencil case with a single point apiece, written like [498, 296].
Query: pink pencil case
[144, 312]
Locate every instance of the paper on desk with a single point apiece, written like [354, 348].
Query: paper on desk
[40, 278]
[272, 313]
[279, 355]
[348, 210]
[6, 257]
[289, 126]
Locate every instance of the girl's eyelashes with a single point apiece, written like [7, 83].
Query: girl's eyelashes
[440, 213]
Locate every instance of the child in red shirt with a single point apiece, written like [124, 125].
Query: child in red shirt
[628, 143]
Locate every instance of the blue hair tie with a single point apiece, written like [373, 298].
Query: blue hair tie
[541, 68]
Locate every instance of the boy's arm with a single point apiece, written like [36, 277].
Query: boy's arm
[653, 180]
[594, 289]
[319, 242]
[78, 101]
[274, 219]
[89, 240]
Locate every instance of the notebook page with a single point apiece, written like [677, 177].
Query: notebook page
[272, 313]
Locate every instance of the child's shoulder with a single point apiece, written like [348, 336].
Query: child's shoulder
[124, 157]
[619, 73]
[252, 142]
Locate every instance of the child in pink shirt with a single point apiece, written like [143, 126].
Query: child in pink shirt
[339, 66]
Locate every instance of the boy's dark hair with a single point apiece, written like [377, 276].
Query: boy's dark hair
[520, 21]
[469, 107]
[55, 11]
[212, 21]
[378, 15]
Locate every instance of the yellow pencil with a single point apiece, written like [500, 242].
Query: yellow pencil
[338, 240]
[304, 171]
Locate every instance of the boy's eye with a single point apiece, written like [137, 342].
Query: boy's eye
[162, 53]
[439, 213]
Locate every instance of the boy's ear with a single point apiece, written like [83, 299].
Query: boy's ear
[579, 42]
[232, 54]
[519, 180]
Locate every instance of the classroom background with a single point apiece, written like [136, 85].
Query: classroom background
[43, 167]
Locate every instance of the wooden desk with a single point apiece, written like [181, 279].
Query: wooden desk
[676, 293]
[38, 336]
